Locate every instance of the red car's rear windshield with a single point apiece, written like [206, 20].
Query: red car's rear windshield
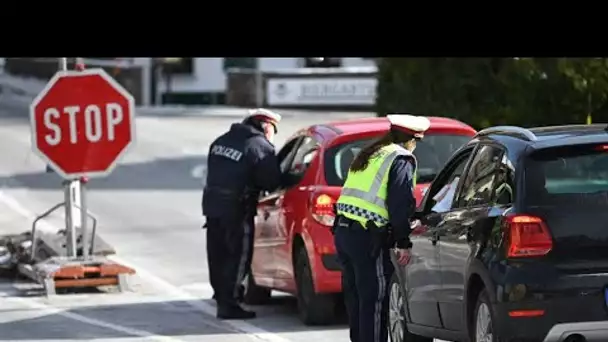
[432, 152]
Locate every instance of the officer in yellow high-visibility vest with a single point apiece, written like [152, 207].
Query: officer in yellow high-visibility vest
[377, 194]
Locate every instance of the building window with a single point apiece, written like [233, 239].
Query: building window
[177, 65]
[322, 62]
[240, 63]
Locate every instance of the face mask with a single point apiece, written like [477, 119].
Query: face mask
[270, 138]
[411, 147]
[269, 132]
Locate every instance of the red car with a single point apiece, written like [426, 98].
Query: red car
[294, 249]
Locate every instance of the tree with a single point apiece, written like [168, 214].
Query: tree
[589, 78]
[494, 91]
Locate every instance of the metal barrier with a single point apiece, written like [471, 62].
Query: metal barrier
[49, 212]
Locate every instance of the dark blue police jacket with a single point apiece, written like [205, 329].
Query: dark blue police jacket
[241, 163]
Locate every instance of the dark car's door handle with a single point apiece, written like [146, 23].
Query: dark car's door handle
[469, 235]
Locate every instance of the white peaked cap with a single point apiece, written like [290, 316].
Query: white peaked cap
[266, 114]
[415, 125]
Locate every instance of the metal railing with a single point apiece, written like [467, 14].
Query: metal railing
[49, 212]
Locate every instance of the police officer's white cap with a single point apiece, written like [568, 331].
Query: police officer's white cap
[415, 125]
[265, 114]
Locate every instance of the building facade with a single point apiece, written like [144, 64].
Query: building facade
[181, 80]
[203, 81]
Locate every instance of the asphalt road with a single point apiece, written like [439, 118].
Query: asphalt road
[149, 210]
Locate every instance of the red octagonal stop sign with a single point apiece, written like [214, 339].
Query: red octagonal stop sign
[82, 123]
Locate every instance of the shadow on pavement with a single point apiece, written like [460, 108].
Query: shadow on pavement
[159, 174]
[173, 318]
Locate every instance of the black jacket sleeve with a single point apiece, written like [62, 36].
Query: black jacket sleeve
[400, 199]
[266, 168]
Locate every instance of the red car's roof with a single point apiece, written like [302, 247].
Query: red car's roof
[379, 124]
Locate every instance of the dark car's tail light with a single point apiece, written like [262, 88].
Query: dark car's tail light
[322, 209]
[528, 236]
[526, 313]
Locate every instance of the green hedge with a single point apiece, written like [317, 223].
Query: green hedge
[493, 91]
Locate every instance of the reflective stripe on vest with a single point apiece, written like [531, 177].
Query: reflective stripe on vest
[363, 195]
[361, 213]
[371, 196]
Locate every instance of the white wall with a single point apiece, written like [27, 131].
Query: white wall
[279, 63]
[357, 62]
[209, 75]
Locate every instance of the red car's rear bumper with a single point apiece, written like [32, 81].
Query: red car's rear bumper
[325, 267]
[328, 277]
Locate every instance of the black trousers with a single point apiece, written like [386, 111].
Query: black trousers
[229, 253]
[365, 282]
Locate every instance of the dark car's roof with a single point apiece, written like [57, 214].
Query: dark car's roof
[552, 132]
[550, 136]
[569, 135]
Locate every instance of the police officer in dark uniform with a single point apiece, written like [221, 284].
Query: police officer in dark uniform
[373, 215]
[241, 163]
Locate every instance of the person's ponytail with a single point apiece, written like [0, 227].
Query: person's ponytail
[361, 161]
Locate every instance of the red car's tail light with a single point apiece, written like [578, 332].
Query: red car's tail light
[528, 236]
[323, 209]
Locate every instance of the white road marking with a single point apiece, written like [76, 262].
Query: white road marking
[47, 310]
[246, 328]
[204, 288]
[216, 337]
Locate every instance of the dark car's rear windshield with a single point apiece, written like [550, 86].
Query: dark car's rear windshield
[568, 188]
[578, 173]
[432, 152]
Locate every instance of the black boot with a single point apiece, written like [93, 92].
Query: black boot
[234, 312]
[240, 298]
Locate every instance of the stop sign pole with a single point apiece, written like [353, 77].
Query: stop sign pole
[74, 204]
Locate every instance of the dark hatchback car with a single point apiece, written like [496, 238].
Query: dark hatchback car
[513, 242]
